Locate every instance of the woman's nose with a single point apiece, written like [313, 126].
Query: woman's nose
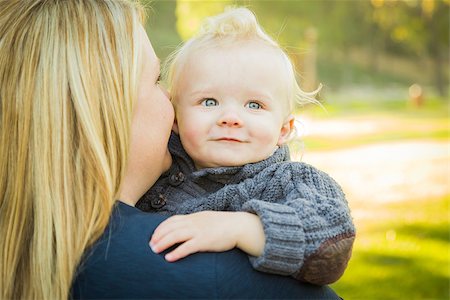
[230, 119]
[165, 91]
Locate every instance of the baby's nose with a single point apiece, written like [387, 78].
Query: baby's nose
[230, 119]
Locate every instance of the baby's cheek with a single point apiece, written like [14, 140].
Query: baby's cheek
[191, 133]
[191, 138]
[267, 135]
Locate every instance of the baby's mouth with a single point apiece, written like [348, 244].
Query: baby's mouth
[229, 139]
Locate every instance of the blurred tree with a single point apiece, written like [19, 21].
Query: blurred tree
[357, 41]
[338, 27]
[417, 28]
[161, 26]
[190, 14]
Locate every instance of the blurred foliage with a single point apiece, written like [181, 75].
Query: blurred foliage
[376, 42]
[190, 17]
[161, 26]
[416, 28]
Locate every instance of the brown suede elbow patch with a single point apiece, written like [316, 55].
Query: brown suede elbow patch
[329, 262]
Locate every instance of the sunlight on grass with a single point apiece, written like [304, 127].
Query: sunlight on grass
[343, 126]
[332, 143]
[401, 252]
[433, 108]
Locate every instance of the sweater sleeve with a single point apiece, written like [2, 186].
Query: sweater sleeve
[306, 219]
[309, 231]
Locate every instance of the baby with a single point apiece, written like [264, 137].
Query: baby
[233, 89]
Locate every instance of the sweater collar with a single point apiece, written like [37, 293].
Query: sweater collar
[224, 175]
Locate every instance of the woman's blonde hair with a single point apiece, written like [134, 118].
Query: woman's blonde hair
[68, 80]
[233, 25]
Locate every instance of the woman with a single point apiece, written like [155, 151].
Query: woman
[84, 122]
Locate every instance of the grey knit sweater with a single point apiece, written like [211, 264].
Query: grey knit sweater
[306, 219]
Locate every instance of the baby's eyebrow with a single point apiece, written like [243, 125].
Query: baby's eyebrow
[200, 92]
[258, 95]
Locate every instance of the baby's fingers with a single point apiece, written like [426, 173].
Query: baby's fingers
[170, 239]
[185, 249]
[163, 229]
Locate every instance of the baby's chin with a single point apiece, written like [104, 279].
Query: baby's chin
[226, 162]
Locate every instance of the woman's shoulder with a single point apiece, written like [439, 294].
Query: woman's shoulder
[238, 280]
[126, 218]
[121, 264]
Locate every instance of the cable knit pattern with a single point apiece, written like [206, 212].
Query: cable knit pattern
[306, 219]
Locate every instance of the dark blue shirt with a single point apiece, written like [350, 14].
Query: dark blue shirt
[122, 265]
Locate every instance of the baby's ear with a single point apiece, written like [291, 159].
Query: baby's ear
[175, 126]
[286, 130]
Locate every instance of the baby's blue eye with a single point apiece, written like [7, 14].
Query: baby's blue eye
[254, 105]
[210, 102]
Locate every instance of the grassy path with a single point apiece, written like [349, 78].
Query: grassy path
[386, 172]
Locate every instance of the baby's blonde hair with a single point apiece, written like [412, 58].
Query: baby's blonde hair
[68, 80]
[235, 24]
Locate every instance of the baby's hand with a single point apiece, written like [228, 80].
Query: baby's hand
[202, 231]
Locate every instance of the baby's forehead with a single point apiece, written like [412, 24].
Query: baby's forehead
[237, 45]
[254, 53]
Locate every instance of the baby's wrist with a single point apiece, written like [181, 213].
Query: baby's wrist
[250, 236]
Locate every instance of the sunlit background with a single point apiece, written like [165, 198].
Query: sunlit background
[383, 130]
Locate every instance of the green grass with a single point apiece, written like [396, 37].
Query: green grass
[401, 252]
[432, 108]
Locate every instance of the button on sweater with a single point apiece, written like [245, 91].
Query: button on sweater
[306, 219]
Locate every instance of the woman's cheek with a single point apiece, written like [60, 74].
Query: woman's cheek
[167, 161]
